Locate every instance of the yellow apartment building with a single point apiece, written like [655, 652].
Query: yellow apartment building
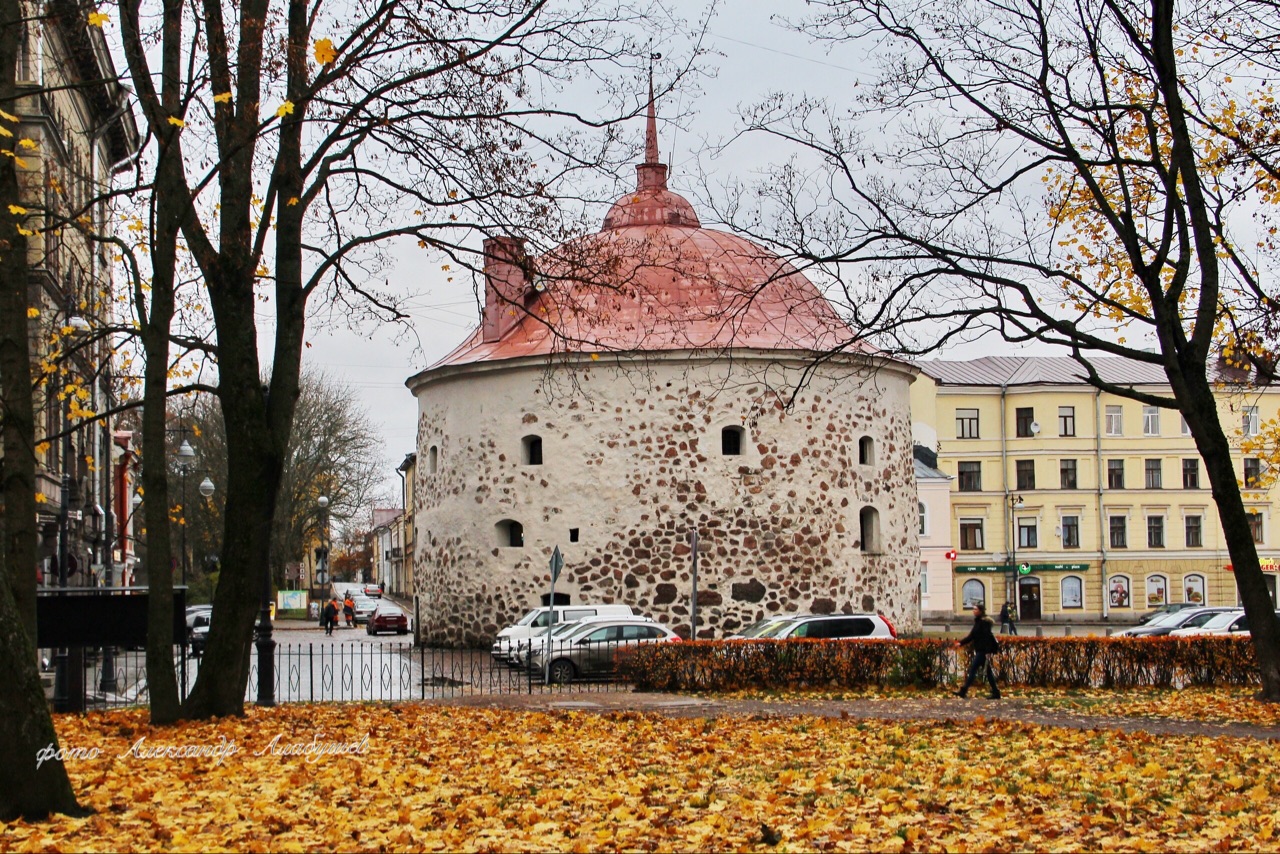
[1079, 504]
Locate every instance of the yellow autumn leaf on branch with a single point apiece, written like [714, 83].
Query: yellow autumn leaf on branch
[28, 144]
[8, 117]
[224, 98]
[17, 210]
[284, 109]
[33, 313]
[97, 19]
[324, 52]
[293, 201]
[5, 132]
[177, 122]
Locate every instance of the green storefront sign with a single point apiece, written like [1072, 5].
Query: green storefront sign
[1031, 567]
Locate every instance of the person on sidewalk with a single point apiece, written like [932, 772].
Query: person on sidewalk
[329, 616]
[349, 611]
[985, 645]
[1008, 620]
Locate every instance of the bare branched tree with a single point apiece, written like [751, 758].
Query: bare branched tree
[1099, 175]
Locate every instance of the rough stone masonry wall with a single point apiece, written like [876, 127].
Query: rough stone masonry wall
[632, 460]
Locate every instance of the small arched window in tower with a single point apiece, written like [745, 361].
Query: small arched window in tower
[869, 527]
[866, 451]
[531, 450]
[731, 441]
[433, 459]
[510, 534]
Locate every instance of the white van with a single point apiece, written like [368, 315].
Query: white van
[535, 623]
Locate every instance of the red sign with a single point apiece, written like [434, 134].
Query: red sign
[951, 555]
[1268, 565]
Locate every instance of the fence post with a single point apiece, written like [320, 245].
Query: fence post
[1039, 631]
[311, 668]
[1066, 631]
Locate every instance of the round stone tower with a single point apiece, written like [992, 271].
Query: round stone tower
[635, 386]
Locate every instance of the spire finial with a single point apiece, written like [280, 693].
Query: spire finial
[651, 129]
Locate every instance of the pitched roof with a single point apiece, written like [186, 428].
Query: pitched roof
[1040, 370]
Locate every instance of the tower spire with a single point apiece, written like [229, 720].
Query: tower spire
[651, 128]
[652, 173]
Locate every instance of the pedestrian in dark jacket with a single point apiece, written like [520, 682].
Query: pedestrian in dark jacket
[1008, 619]
[984, 643]
[329, 616]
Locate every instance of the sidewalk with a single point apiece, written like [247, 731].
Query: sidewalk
[942, 707]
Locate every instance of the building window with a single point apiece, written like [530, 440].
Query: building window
[1071, 532]
[1028, 534]
[866, 451]
[1252, 472]
[1072, 592]
[1256, 526]
[573, 535]
[1249, 421]
[1157, 591]
[1155, 532]
[1066, 420]
[1115, 474]
[433, 460]
[1186, 428]
[1154, 472]
[1119, 532]
[731, 441]
[1115, 421]
[924, 578]
[1118, 592]
[1024, 417]
[973, 594]
[869, 527]
[1191, 473]
[970, 476]
[924, 528]
[1194, 527]
[1193, 590]
[531, 450]
[510, 534]
[1067, 478]
[966, 424]
[1151, 421]
[1026, 473]
[971, 535]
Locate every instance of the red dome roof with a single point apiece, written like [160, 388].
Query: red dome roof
[654, 280]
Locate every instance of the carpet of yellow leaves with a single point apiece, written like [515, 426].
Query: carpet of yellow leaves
[1208, 705]
[438, 778]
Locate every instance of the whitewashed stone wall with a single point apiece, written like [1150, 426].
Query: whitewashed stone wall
[632, 460]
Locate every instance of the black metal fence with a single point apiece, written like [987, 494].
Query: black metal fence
[386, 671]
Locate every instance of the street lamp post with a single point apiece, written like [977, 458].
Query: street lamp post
[1011, 589]
[322, 565]
[186, 455]
[69, 669]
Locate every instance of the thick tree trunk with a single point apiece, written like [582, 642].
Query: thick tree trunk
[1200, 409]
[28, 786]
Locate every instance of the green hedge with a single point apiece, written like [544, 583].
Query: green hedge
[1162, 662]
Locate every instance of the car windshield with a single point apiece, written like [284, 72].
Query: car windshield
[1174, 619]
[1221, 621]
[527, 619]
[1199, 619]
[773, 629]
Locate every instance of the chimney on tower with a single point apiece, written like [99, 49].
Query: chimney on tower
[506, 282]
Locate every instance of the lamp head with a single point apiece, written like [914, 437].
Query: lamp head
[322, 502]
[185, 451]
[206, 487]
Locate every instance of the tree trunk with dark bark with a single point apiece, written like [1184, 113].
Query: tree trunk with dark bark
[29, 787]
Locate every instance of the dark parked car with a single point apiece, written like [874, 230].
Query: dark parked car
[387, 620]
[1171, 608]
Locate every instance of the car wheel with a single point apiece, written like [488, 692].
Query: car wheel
[562, 672]
[369, 629]
[402, 631]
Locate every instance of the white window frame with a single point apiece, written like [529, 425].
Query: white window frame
[1128, 586]
[1146, 590]
[924, 578]
[981, 586]
[1150, 420]
[1114, 420]
[1249, 421]
[982, 532]
[923, 509]
[1032, 524]
[1186, 428]
[1164, 534]
[1062, 529]
[1204, 588]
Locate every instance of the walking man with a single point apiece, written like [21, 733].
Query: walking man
[329, 616]
[985, 645]
[1008, 624]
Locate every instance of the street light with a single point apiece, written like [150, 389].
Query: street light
[1011, 589]
[322, 565]
[69, 667]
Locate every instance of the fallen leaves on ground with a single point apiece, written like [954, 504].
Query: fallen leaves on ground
[439, 778]
[1209, 705]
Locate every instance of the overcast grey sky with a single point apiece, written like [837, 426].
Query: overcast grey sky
[757, 55]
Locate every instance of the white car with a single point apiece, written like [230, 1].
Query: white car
[364, 608]
[823, 626]
[1227, 623]
[591, 647]
[534, 623]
